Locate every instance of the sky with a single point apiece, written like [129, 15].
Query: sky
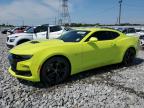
[36, 12]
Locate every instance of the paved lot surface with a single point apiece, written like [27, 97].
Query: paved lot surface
[107, 87]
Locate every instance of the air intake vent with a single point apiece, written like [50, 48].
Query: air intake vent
[34, 42]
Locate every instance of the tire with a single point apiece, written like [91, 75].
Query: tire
[129, 57]
[54, 71]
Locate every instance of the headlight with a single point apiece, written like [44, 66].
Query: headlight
[13, 37]
[21, 57]
[12, 40]
[24, 57]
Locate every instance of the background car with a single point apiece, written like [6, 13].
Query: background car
[140, 32]
[52, 61]
[130, 31]
[20, 29]
[6, 31]
[45, 31]
[15, 30]
[141, 41]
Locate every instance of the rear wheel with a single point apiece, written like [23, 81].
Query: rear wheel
[55, 71]
[129, 57]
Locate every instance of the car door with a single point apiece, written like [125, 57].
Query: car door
[102, 52]
[55, 32]
[41, 32]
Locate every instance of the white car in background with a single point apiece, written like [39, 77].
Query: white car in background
[141, 41]
[135, 32]
[140, 32]
[130, 32]
[45, 31]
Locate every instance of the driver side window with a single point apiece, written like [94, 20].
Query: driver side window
[104, 35]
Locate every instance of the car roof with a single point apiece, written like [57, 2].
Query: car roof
[96, 29]
[49, 25]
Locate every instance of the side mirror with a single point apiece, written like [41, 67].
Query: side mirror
[93, 39]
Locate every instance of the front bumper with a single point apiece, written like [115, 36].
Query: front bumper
[23, 69]
[14, 74]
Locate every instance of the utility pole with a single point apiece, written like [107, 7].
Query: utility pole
[23, 23]
[65, 15]
[120, 6]
[55, 21]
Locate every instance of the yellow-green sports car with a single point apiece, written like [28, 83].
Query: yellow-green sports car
[52, 61]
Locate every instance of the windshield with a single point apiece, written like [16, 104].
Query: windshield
[27, 28]
[30, 30]
[73, 36]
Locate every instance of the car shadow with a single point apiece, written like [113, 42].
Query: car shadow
[86, 74]
[102, 70]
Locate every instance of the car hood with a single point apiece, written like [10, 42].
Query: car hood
[20, 34]
[36, 45]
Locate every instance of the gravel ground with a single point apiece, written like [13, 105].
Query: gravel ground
[106, 87]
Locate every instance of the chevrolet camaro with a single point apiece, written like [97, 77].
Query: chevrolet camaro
[52, 61]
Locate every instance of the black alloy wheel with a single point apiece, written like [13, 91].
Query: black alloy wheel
[129, 57]
[55, 71]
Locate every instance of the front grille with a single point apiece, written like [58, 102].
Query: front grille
[23, 73]
[10, 46]
[7, 39]
[13, 61]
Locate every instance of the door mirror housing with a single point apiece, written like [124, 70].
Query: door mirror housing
[93, 39]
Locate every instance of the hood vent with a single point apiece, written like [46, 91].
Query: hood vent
[34, 42]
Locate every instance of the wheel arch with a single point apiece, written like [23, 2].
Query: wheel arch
[130, 47]
[59, 55]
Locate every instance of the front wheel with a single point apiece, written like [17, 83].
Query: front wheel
[55, 71]
[129, 57]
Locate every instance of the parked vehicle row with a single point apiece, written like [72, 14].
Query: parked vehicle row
[142, 41]
[134, 32]
[15, 30]
[131, 31]
[6, 31]
[45, 31]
